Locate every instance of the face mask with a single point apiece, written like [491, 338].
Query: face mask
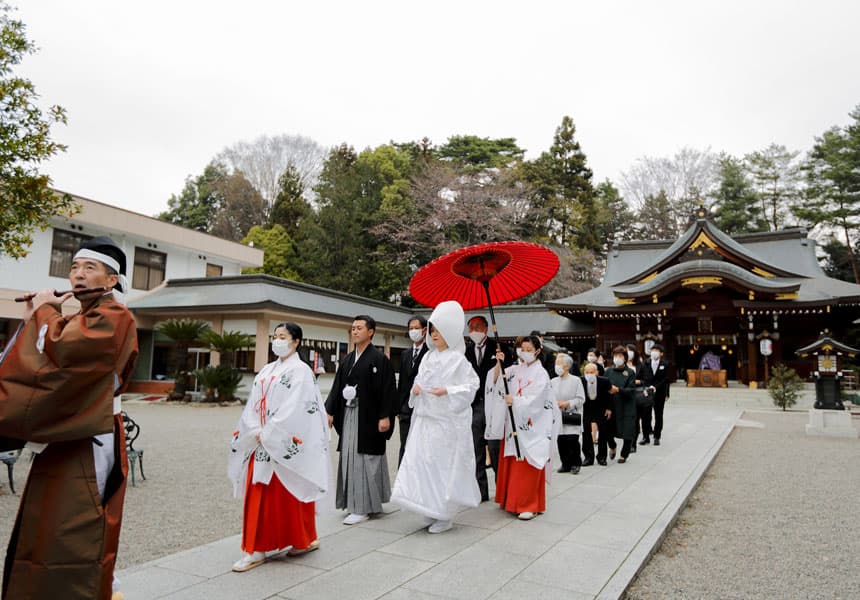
[416, 335]
[281, 348]
[520, 353]
[527, 357]
[592, 358]
[477, 336]
[591, 378]
[619, 361]
[655, 356]
[559, 370]
[630, 354]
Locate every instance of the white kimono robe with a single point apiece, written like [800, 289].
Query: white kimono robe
[535, 412]
[286, 410]
[437, 476]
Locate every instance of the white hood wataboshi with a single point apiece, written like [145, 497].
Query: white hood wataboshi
[448, 317]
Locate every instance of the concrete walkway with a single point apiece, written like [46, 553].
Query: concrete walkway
[599, 529]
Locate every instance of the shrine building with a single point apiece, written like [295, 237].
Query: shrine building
[735, 297]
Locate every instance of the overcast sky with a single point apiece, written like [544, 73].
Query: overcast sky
[155, 89]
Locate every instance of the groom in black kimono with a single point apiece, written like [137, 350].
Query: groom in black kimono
[361, 407]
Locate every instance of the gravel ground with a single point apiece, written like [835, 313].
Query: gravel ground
[774, 517]
[186, 500]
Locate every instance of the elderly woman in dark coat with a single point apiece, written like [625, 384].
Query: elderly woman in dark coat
[624, 379]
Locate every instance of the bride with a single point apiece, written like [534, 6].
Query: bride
[437, 476]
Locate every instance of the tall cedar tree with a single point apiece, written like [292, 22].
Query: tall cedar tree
[736, 206]
[26, 200]
[563, 191]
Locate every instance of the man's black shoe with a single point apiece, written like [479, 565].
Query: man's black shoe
[633, 449]
[588, 463]
[602, 463]
[574, 470]
[656, 441]
[645, 441]
[562, 470]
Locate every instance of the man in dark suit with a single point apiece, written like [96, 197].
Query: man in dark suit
[410, 359]
[654, 375]
[481, 353]
[597, 409]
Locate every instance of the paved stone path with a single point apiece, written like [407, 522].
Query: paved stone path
[599, 528]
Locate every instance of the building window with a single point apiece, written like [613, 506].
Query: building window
[149, 269]
[66, 243]
[214, 270]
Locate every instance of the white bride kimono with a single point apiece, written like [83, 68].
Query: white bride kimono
[535, 412]
[437, 476]
[286, 411]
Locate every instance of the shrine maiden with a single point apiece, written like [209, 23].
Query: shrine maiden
[521, 485]
[279, 455]
[437, 476]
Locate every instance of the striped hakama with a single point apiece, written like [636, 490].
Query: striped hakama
[362, 479]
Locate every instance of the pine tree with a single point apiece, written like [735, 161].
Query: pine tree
[736, 205]
[833, 177]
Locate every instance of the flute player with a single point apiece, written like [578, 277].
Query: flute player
[60, 381]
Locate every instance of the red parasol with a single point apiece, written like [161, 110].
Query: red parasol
[515, 269]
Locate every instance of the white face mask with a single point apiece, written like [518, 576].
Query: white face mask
[416, 335]
[630, 354]
[282, 348]
[592, 358]
[619, 361]
[528, 357]
[591, 378]
[559, 370]
[655, 355]
[477, 336]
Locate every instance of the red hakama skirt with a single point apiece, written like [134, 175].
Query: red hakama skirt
[274, 519]
[520, 487]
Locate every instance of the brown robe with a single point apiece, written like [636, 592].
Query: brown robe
[65, 538]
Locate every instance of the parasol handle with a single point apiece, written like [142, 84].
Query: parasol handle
[502, 367]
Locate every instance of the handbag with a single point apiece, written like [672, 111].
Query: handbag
[571, 417]
[643, 401]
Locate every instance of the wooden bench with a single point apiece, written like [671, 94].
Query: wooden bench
[132, 431]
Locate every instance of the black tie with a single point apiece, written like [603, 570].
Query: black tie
[480, 354]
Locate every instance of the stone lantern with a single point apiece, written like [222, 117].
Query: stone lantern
[827, 355]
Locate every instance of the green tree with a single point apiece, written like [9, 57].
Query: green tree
[653, 220]
[784, 386]
[355, 192]
[198, 203]
[775, 174]
[833, 192]
[470, 153]
[279, 251]
[837, 260]
[290, 209]
[563, 191]
[615, 220]
[26, 200]
[736, 205]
